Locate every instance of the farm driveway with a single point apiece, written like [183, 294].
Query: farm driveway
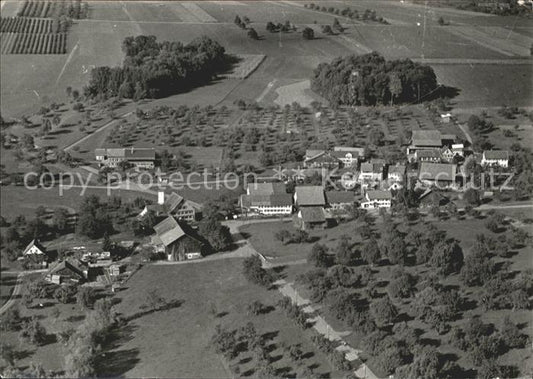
[322, 327]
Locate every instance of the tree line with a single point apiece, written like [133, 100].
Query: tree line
[153, 69]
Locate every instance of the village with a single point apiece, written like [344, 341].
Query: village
[276, 189]
[326, 187]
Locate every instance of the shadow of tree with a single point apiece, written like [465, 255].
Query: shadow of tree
[113, 363]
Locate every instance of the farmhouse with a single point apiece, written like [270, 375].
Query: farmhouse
[320, 159]
[396, 173]
[441, 175]
[309, 218]
[495, 158]
[432, 155]
[177, 240]
[428, 140]
[377, 199]
[309, 196]
[340, 200]
[35, 248]
[140, 158]
[65, 272]
[371, 172]
[349, 156]
[267, 199]
[174, 205]
[261, 189]
[35, 254]
[424, 140]
[268, 205]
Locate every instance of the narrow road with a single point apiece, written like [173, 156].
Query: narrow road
[464, 129]
[18, 287]
[14, 294]
[505, 206]
[286, 289]
[322, 327]
[100, 129]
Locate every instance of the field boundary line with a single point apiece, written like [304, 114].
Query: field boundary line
[100, 129]
[69, 58]
[265, 92]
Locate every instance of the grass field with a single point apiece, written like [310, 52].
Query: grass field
[7, 283]
[97, 41]
[16, 200]
[176, 342]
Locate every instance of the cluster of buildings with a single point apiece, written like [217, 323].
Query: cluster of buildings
[89, 267]
[433, 160]
[137, 157]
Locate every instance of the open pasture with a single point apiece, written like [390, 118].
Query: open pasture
[488, 85]
[289, 58]
[184, 343]
[260, 12]
[18, 200]
[398, 41]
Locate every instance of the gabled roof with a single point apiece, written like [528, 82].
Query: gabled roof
[134, 153]
[437, 171]
[340, 197]
[376, 168]
[432, 153]
[359, 150]
[378, 195]
[66, 265]
[313, 214]
[426, 138]
[324, 156]
[496, 154]
[312, 153]
[262, 189]
[37, 244]
[276, 200]
[343, 154]
[169, 231]
[310, 195]
[397, 169]
[281, 200]
[172, 201]
[131, 153]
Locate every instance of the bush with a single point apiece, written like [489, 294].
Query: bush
[254, 272]
[308, 33]
[33, 331]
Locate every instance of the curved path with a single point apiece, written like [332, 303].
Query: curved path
[14, 294]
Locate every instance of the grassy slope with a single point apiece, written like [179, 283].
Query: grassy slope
[176, 342]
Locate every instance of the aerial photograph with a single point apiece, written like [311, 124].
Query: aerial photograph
[266, 189]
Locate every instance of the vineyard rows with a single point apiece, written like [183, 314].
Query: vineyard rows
[38, 8]
[33, 43]
[25, 25]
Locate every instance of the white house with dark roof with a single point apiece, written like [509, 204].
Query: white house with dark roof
[339, 200]
[499, 158]
[269, 199]
[320, 159]
[377, 199]
[371, 172]
[430, 155]
[174, 205]
[349, 156]
[141, 158]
